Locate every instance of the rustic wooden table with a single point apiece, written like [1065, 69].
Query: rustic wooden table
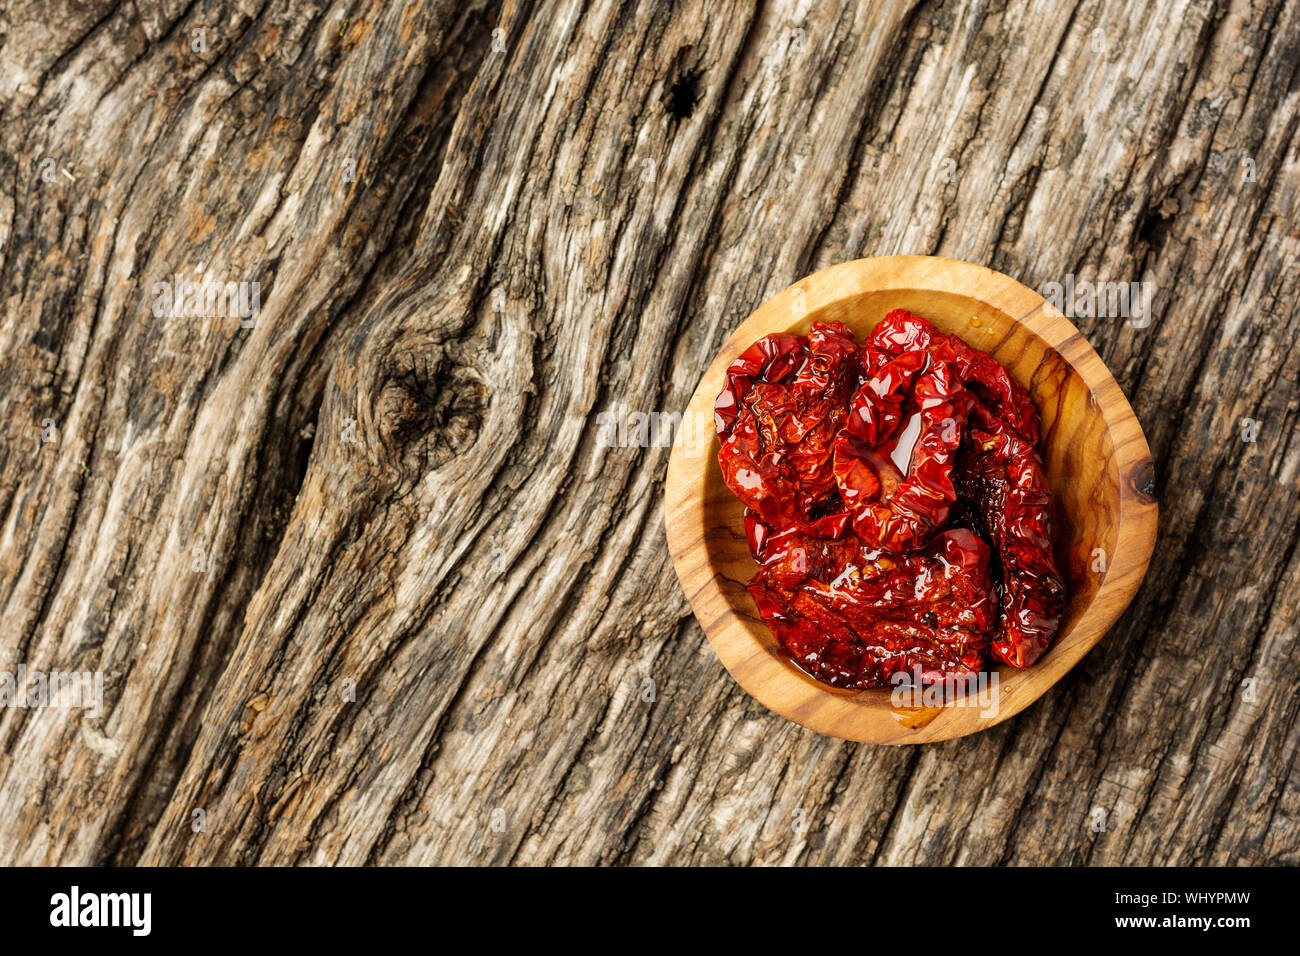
[358, 578]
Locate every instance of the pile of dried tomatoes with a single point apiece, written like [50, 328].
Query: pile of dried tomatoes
[895, 503]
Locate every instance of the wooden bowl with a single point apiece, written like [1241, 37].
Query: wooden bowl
[1098, 466]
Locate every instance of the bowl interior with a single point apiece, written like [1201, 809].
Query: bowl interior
[1076, 450]
[1090, 482]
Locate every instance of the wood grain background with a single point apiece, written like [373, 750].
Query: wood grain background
[389, 487]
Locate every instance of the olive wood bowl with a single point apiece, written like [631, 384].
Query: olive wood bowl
[1097, 461]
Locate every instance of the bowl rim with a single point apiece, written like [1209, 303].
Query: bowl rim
[856, 715]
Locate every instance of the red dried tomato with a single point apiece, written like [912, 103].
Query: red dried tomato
[853, 617]
[875, 480]
[1006, 497]
[893, 460]
[1004, 403]
[783, 404]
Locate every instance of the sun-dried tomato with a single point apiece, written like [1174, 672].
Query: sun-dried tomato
[1004, 403]
[880, 482]
[1004, 491]
[893, 459]
[783, 404]
[853, 617]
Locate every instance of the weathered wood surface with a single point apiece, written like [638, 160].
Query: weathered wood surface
[393, 477]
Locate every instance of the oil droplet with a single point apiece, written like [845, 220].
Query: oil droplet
[975, 321]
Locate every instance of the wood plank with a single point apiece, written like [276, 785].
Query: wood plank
[394, 476]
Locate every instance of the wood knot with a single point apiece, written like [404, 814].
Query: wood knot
[1142, 479]
[431, 405]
